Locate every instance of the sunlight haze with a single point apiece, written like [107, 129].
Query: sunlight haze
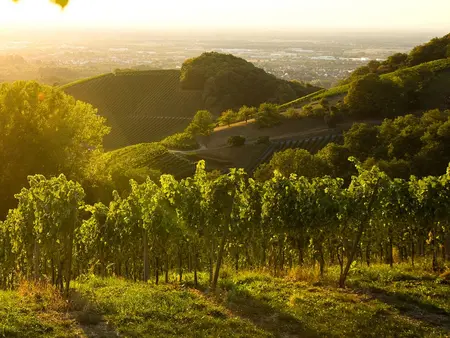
[176, 14]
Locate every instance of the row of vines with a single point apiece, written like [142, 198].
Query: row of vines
[202, 222]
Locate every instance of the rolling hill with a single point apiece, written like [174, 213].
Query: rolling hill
[147, 106]
[140, 106]
[440, 70]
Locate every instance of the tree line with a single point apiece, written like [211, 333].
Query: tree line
[201, 222]
[435, 49]
[407, 145]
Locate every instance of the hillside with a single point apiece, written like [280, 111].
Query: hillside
[149, 155]
[440, 70]
[140, 106]
[147, 106]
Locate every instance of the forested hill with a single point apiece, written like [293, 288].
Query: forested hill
[231, 82]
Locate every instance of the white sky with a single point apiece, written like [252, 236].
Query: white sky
[268, 14]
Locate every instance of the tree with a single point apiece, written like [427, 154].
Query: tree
[268, 115]
[245, 113]
[435, 49]
[228, 117]
[335, 157]
[361, 140]
[202, 124]
[44, 131]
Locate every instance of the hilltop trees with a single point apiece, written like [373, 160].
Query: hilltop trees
[435, 49]
[43, 130]
[229, 82]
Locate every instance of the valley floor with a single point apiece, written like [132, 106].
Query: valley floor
[378, 302]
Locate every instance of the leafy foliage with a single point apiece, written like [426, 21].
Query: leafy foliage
[44, 131]
[204, 220]
[268, 115]
[180, 141]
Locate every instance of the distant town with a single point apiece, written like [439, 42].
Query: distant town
[321, 60]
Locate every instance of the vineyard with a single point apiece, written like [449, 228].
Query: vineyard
[140, 106]
[150, 155]
[201, 222]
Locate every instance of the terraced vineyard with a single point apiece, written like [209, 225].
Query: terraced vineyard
[313, 145]
[142, 106]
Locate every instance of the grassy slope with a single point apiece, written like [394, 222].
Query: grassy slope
[379, 302]
[338, 92]
[150, 155]
[141, 106]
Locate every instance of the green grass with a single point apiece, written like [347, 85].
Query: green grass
[379, 302]
[35, 312]
[143, 310]
[140, 106]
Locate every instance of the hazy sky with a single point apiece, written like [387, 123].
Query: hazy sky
[268, 14]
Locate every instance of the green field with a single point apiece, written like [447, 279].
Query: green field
[141, 106]
[380, 302]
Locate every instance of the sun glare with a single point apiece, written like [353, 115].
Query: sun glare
[229, 14]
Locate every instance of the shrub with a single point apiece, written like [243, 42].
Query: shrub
[263, 140]
[180, 141]
[331, 120]
[236, 141]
